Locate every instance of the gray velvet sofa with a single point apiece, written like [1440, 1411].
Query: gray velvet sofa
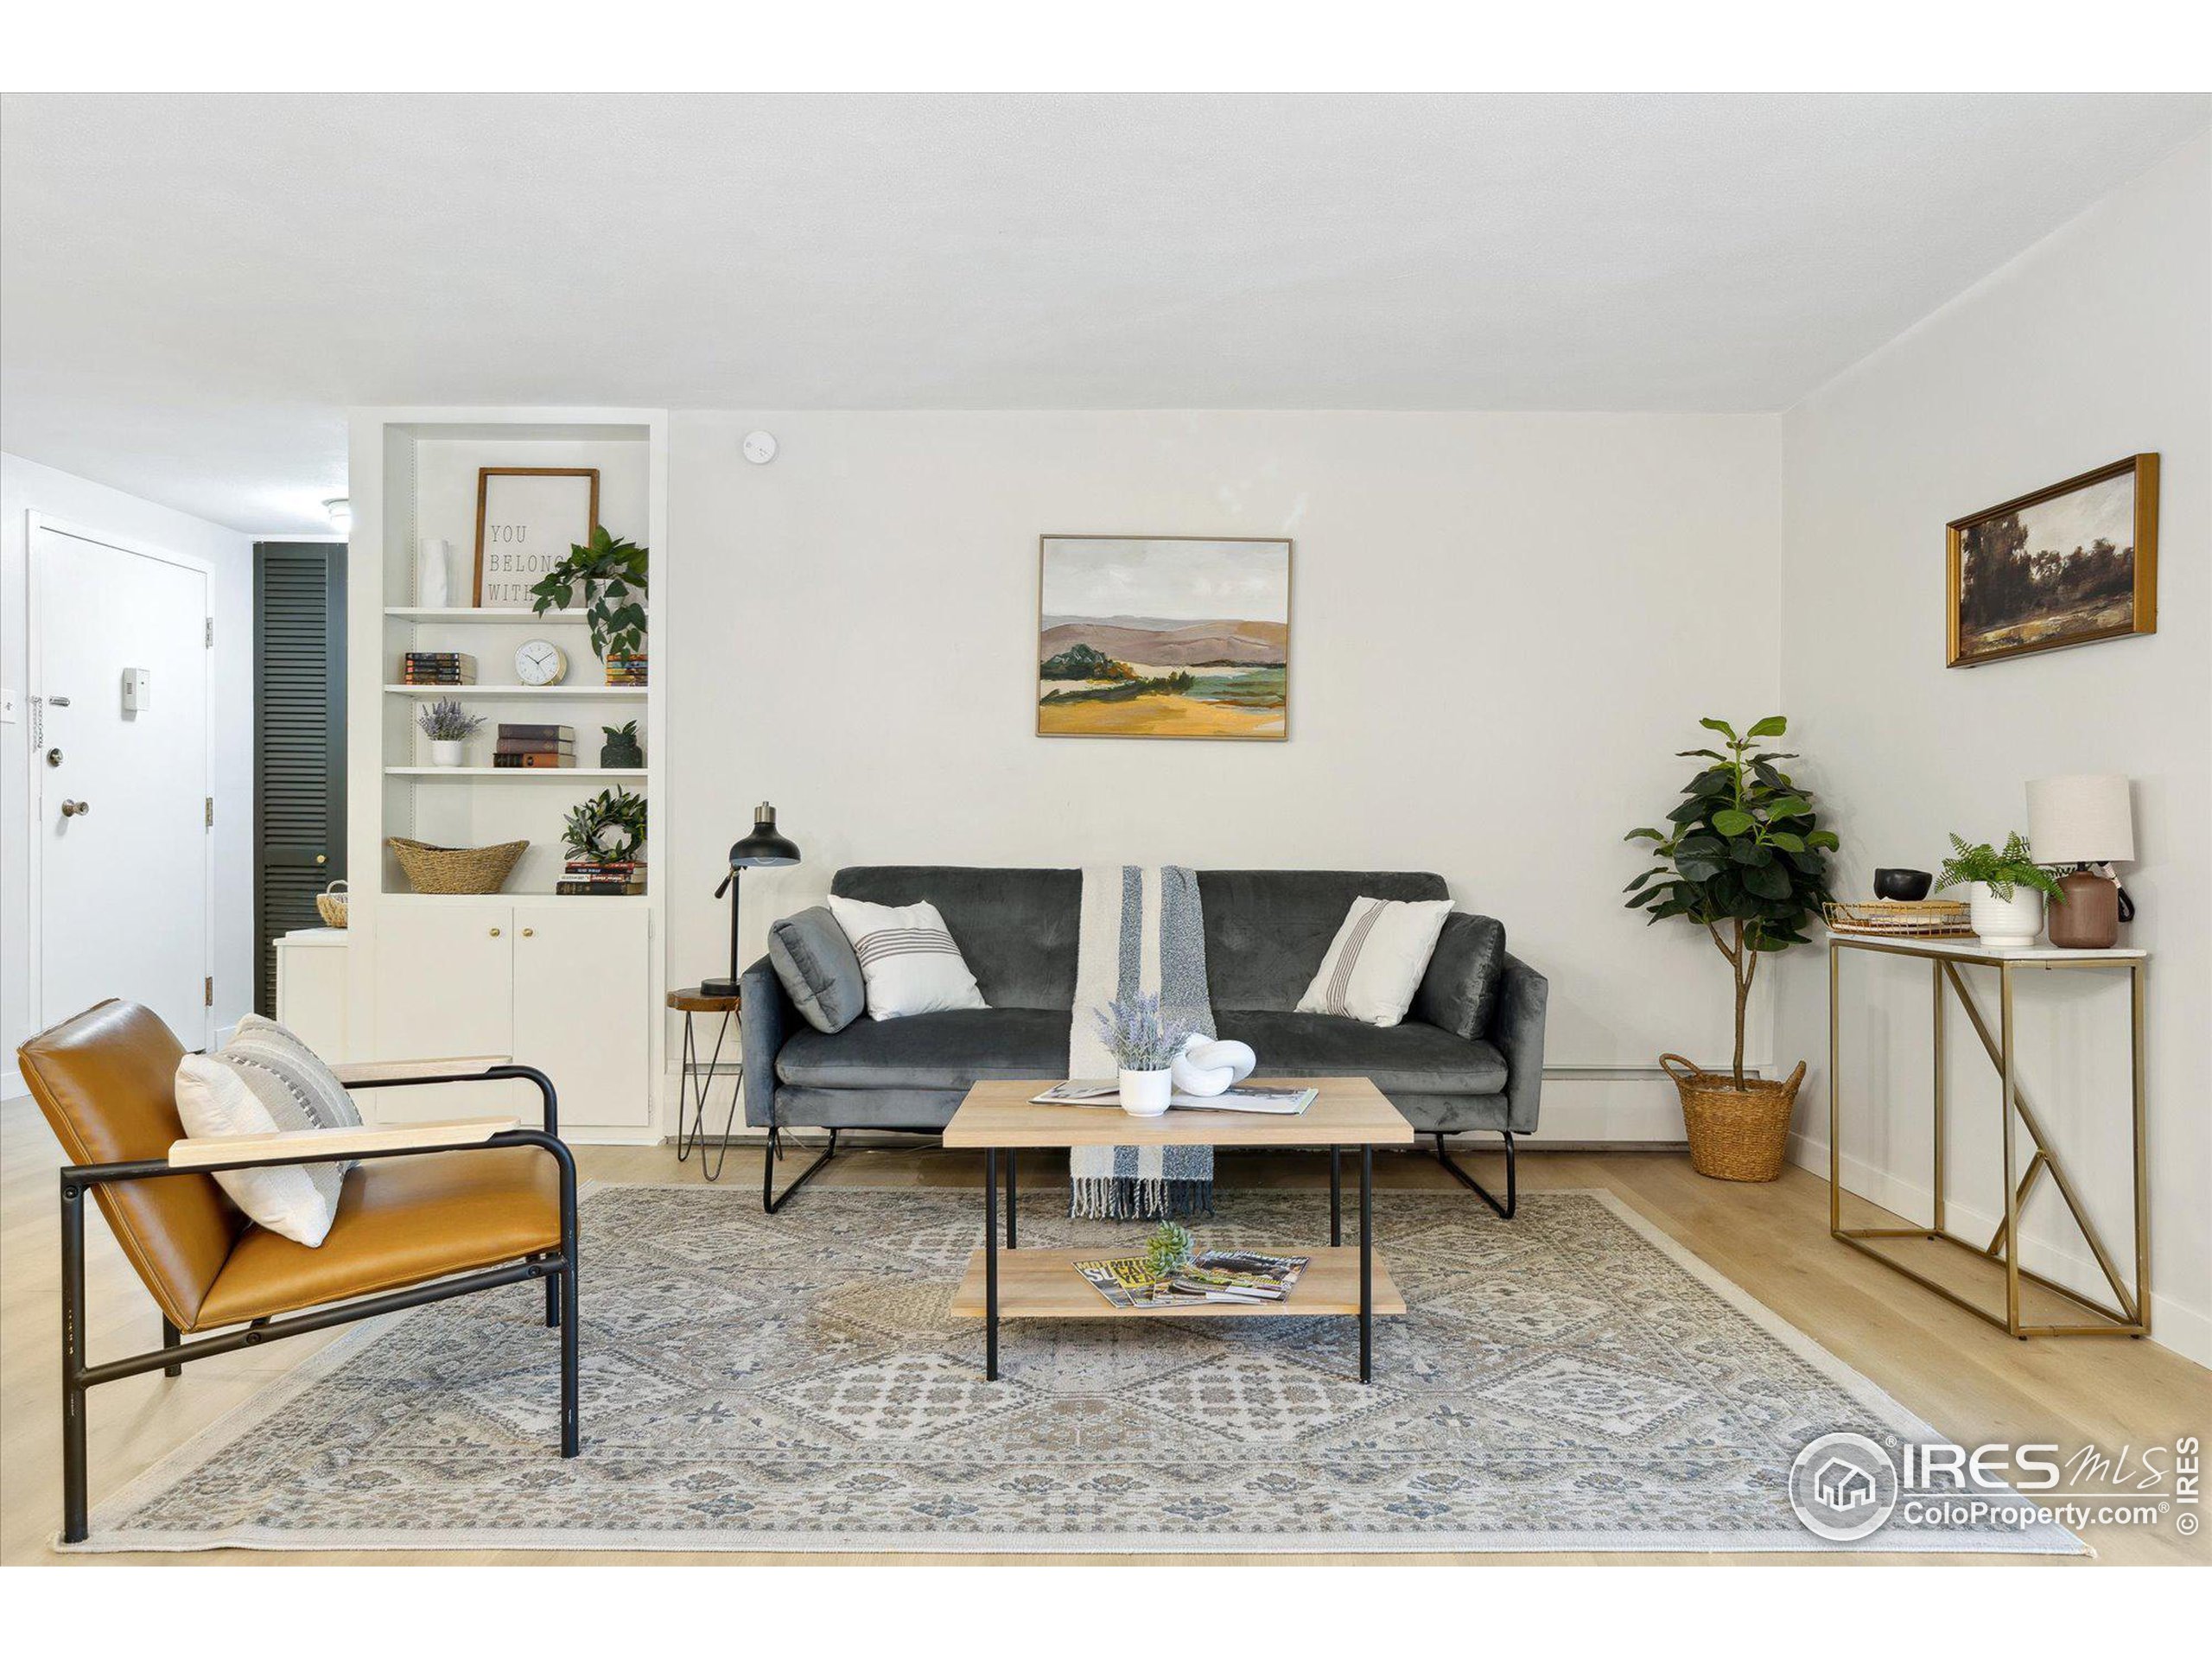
[1267, 931]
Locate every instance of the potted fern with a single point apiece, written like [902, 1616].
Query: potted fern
[2004, 889]
[1743, 857]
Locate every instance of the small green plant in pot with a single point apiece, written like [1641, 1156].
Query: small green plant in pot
[621, 747]
[1743, 856]
[2004, 889]
[610, 573]
[1168, 1248]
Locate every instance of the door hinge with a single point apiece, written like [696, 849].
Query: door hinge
[211, 991]
[211, 812]
[207, 637]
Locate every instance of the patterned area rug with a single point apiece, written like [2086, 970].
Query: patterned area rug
[1569, 1380]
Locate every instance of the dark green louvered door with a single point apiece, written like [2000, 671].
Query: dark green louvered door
[299, 729]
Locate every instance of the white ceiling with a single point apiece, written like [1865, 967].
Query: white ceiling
[193, 289]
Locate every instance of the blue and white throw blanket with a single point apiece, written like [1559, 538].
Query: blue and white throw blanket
[1142, 934]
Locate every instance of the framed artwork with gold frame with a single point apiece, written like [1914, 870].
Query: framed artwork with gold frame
[2068, 565]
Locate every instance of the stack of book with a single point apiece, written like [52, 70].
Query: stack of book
[625, 671]
[1212, 1276]
[595, 878]
[437, 668]
[534, 745]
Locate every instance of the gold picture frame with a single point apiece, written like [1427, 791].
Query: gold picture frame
[1146, 611]
[2100, 589]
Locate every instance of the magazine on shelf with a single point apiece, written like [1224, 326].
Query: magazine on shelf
[1278, 1100]
[1225, 1276]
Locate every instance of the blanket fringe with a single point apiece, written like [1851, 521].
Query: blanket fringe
[1129, 1197]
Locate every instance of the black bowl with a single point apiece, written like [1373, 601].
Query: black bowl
[1902, 884]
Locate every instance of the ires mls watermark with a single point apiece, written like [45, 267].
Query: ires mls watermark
[1845, 1486]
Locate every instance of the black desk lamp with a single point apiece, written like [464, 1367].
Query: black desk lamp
[764, 848]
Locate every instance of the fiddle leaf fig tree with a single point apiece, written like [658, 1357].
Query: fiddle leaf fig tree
[1741, 855]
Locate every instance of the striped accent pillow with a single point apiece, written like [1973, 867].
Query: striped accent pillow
[217, 1095]
[1375, 964]
[908, 958]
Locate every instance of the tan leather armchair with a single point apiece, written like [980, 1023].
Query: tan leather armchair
[496, 1206]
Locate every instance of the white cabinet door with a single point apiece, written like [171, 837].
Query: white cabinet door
[445, 988]
[580, 976]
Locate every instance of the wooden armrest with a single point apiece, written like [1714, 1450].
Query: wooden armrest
[390, 1071]
[320, 1146]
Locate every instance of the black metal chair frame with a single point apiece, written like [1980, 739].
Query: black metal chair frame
[556, 1268]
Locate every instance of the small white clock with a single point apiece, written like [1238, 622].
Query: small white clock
[540, 662]
[759, 448]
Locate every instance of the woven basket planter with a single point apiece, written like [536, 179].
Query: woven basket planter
[455, 869]
[1736, 1135]
[330, 905]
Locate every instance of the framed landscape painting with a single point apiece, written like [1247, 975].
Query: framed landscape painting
[2065, 566]
[1163, 636]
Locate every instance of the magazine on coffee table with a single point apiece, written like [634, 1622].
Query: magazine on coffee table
[1227, 1276]
[1275, 1099]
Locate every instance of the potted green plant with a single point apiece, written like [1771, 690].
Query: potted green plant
[1743, 857]
[1144, 1041]
[610, 573]
[622, 748]
[449, 725]
[2004, 889]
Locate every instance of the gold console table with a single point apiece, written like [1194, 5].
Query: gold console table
[2130, 1314]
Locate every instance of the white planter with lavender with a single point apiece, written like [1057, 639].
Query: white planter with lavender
[449, 725]
[1144, 1041]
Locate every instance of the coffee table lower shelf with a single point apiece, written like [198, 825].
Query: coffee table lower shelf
[1045, 1285]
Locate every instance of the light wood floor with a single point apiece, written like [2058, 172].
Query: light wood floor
[1967, 1379]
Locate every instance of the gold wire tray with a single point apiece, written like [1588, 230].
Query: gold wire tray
[1910, 918]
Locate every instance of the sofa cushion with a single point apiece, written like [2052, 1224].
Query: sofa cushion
[949, 1050]
[1375, 962]
[1016, 928]
[1459, 990]
[820, 974]
[1413, 1057]
[1267, 931]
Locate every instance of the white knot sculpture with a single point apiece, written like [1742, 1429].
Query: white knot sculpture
[1207, 1067]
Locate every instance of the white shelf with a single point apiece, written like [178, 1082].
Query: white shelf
[516, 690]
[626, 900]
[479, 613]
[472, 773]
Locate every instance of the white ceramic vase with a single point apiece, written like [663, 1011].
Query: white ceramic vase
[446, 752]
[1146, 1094]
[2004, 924]
[430, 566]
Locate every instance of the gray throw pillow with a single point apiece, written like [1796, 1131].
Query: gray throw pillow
[821, 974]
[1459, 990]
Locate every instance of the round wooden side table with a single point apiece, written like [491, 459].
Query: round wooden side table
[698, 1081]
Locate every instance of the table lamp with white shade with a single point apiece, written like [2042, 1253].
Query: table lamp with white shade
[2084, 820]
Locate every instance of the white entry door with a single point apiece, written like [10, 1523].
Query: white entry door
[125, 871]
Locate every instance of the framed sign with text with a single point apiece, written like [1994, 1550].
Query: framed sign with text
[527, 518]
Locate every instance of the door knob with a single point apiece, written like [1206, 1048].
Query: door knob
[53, 757]
[75, 809]
[322, 858]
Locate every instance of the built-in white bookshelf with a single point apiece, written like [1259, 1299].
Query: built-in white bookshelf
[569, 983]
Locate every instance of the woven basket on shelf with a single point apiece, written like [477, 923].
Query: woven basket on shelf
[1922, 919]
[330, 905]
[455, 869]
[1736, 1135]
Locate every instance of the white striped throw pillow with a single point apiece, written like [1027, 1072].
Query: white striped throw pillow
[1375, 962]
[907, 958]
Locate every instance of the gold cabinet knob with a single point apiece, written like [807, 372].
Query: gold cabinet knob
[530, 933]
[495, 932]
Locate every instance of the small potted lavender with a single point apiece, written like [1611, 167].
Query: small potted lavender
[448, 725]
[1144, 1041]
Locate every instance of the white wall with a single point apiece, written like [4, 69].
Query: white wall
[2095, 345]
[1504, 626]
[27, 488]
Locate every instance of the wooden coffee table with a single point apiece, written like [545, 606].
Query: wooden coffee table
[997, 1116]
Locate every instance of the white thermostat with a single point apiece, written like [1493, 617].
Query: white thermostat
[137, 689]
[759, 448]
